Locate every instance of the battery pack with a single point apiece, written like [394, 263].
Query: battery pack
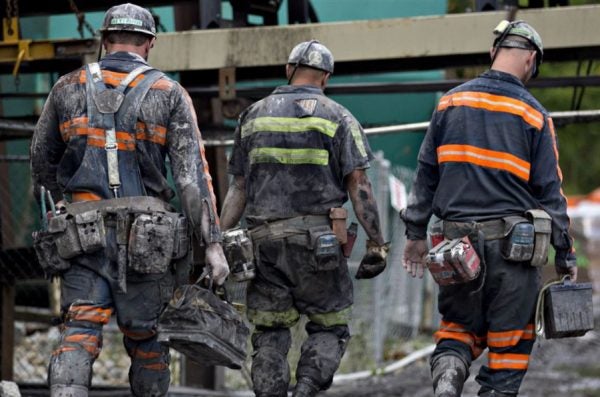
[568, 310]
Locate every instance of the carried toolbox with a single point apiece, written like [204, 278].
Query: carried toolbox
[204, 327]
[567, 309]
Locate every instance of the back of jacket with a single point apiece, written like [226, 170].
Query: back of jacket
[68, 150]
[294, 149]
[490, 151]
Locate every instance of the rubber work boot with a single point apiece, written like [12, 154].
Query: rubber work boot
[68, 391]
[449, 374]
[305, 388]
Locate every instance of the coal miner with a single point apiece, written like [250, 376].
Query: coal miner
[297, 157]
[99, 150]
[488, 168]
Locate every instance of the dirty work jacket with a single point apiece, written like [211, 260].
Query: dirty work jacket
[294, 149]
[490, 151]
[69, 159]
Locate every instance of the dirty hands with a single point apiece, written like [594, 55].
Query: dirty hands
[414, 257]
[374, 261]
[566, 264]
[215, 259]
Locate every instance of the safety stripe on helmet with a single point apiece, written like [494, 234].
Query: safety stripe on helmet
[484, 158]
[499, 361]
[331, 319]
[284, 319]
[494, 103]
[510, 338]
[289, 156]
[289, 124]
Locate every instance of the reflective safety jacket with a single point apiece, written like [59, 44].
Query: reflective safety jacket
[68, 150]
[490, 151]
[294, 149]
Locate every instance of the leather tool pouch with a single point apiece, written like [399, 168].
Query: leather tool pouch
[44, 244]
[542, 224]
[338, 218]
[64, 229]
[453, 261]
[90, 230]
[326, 248]
[151, 243]
[518, 241]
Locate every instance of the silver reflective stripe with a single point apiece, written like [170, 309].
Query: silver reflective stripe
[112, 159]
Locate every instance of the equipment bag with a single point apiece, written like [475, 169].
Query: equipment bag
[204, 327]
[453, 261]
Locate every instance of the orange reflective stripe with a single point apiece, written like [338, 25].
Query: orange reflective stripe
[63, 350]
[508, 361]
[494, 103]
[485, 158]
[84, 196]
[153, 133]
[510, 338]
[206, 171]
[90, 313]
[162, 84]
[156, 366]
[455, 331]
[137, 335]
[111, 78]
[88, 342]
[146, 355]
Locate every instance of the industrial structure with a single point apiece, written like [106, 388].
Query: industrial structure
[226, 63]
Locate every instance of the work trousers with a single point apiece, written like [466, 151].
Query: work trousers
[89, 296]
[498, 316]
[290, 282]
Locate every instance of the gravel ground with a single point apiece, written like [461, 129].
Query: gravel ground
[559, 367]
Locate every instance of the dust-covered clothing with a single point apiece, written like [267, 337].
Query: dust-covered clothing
[294, 149]
[69, 153]
[490, 152]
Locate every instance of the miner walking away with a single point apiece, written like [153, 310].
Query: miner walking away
[99, 152]
[297, 157]
[488, 169]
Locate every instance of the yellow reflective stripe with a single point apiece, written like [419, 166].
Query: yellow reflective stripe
[333, 318]
[289, 124]
[273, 319]
[289, 156]
[358, 139]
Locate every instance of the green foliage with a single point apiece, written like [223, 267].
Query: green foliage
[579, 143]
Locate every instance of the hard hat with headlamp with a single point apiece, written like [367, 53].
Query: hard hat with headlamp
[505, 29]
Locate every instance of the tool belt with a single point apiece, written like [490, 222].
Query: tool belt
[524, 238]
[149, 235]
[310, 231]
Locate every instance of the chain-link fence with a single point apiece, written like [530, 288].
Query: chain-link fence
[388, 312]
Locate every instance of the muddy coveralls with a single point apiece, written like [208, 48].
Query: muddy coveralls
[69, 158]
[490, 152]
[294, 148]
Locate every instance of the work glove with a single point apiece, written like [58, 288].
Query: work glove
[374, 260]
[565, 263]
[215, 259]
[414, 257]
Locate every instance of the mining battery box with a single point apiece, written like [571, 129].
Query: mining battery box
[568, 310]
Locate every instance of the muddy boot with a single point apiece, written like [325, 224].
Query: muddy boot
[68, 391]
[305, 388]
[449, 373]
